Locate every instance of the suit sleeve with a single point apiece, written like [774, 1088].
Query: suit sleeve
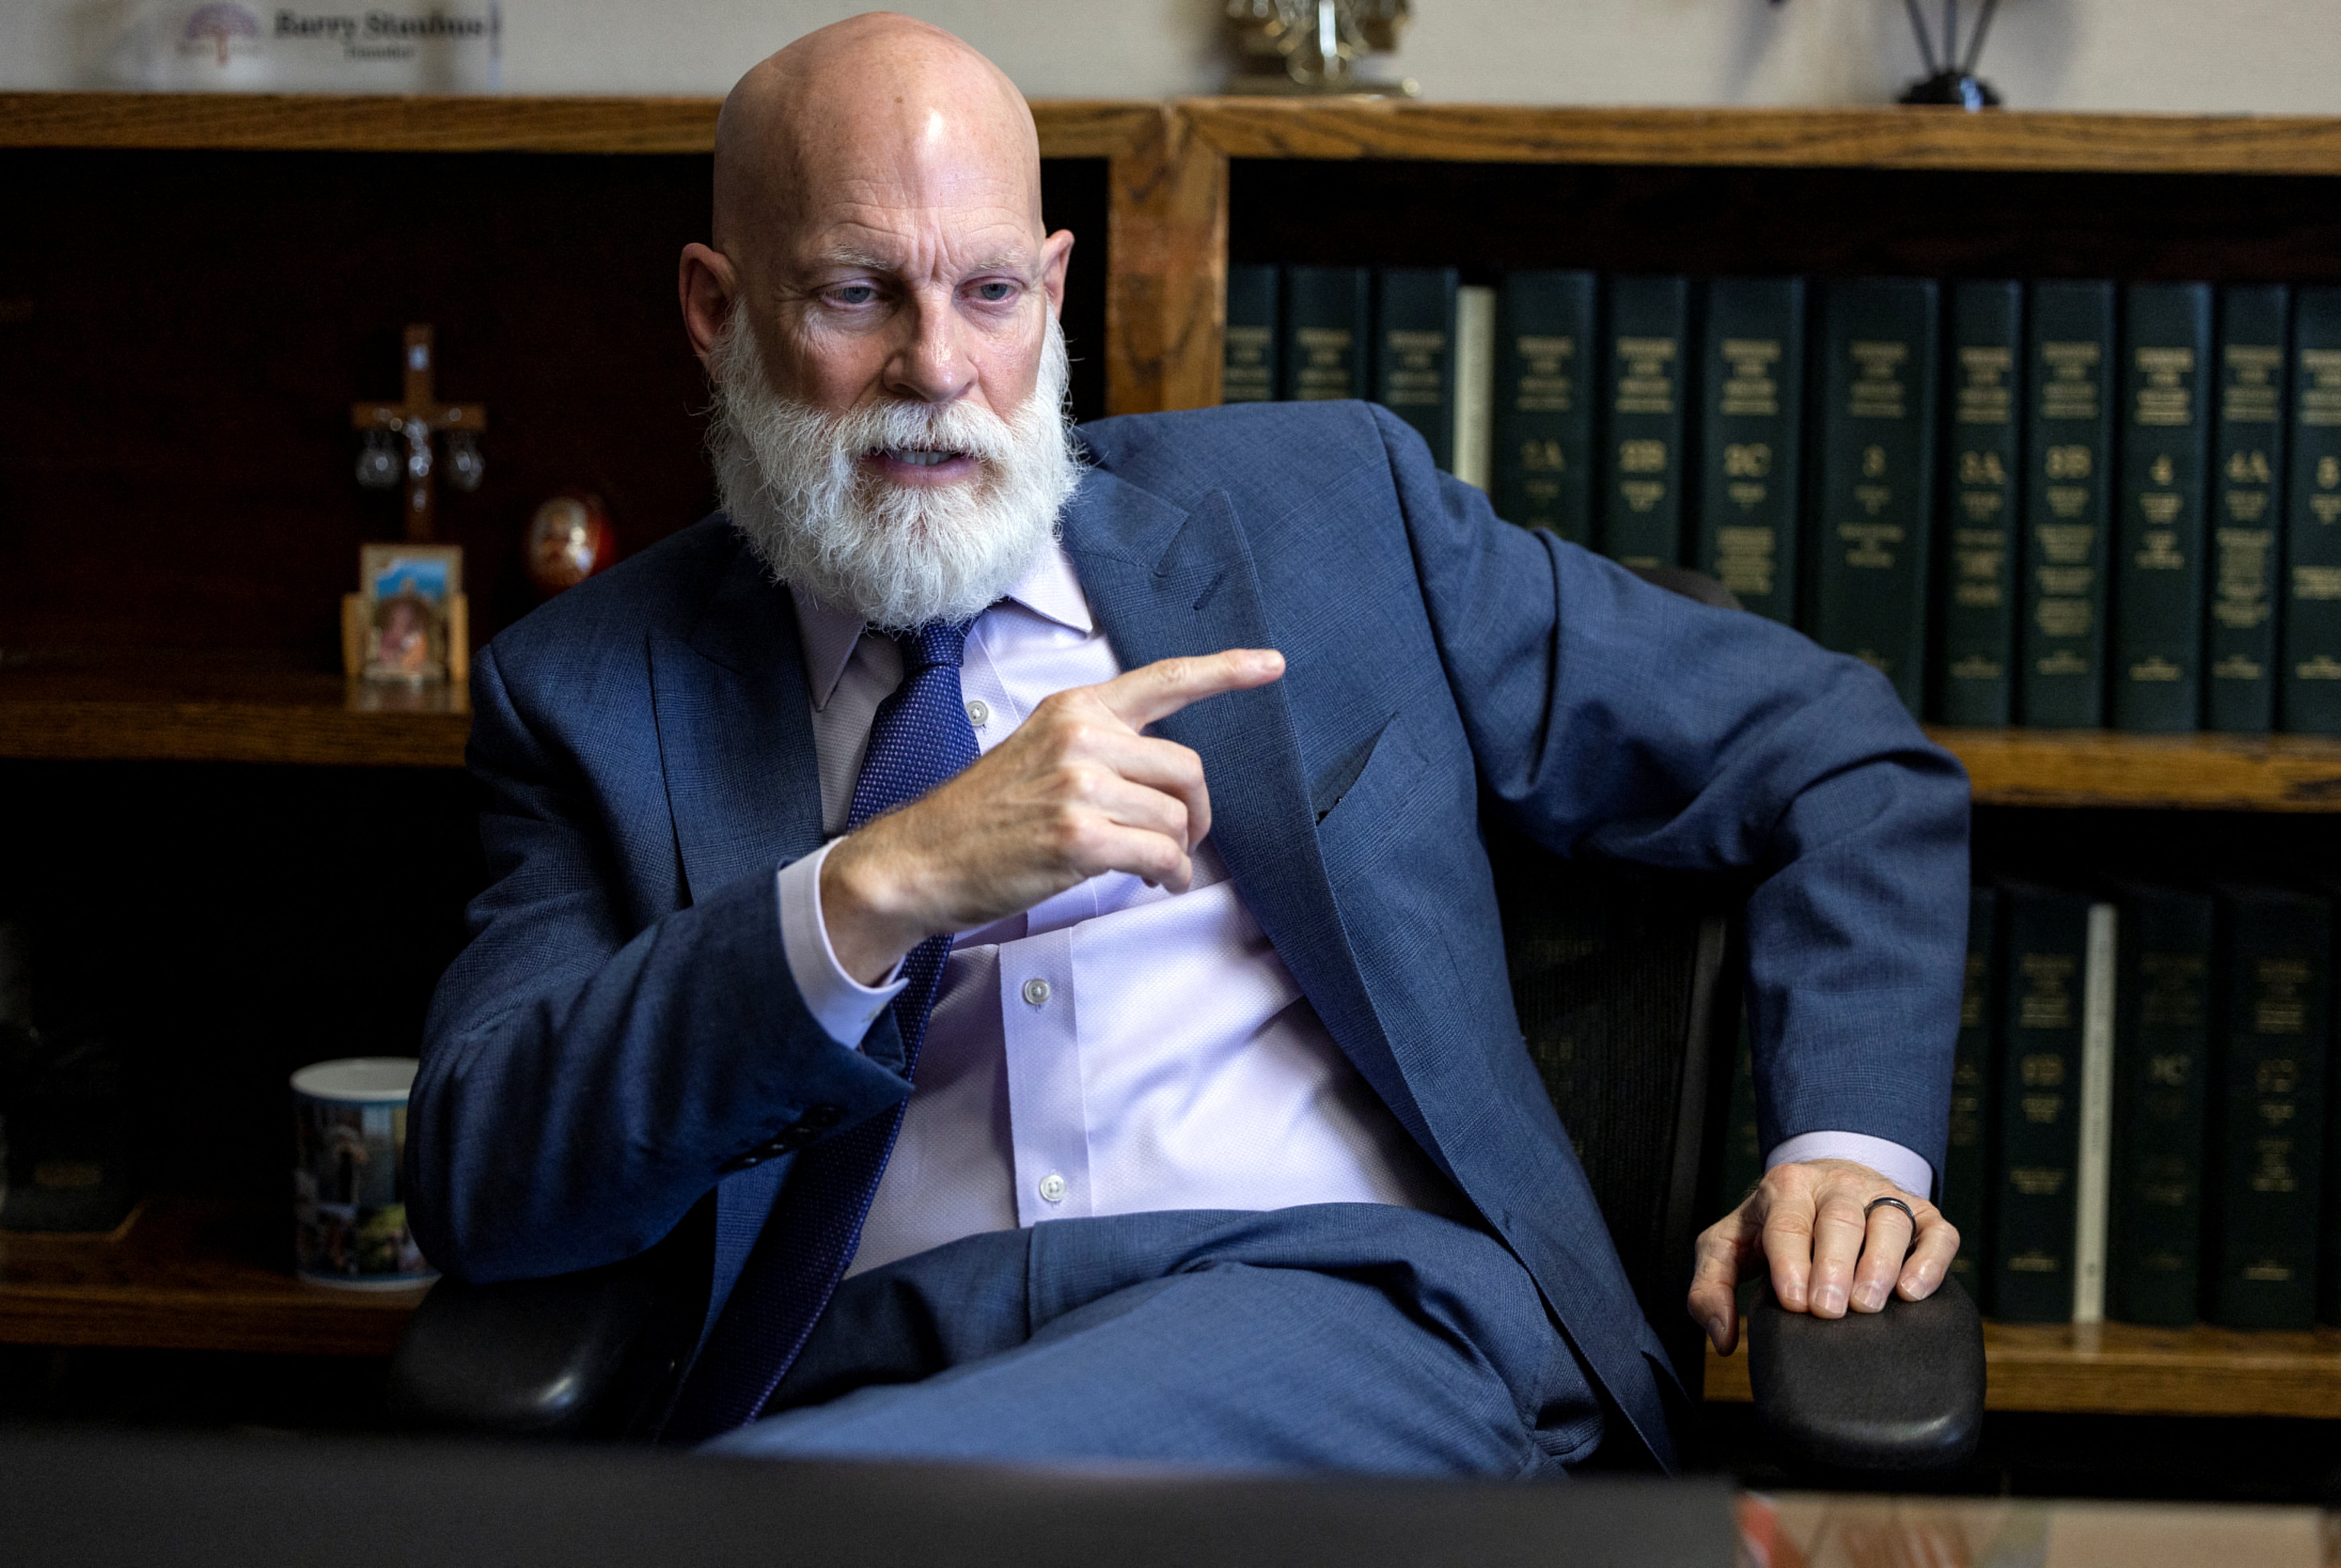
[586, 1078]
[1614, 719]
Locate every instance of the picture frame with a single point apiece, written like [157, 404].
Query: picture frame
[408, 622]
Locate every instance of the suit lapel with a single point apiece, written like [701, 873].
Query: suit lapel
[1163, 583]
[743, 790]
[736, 734]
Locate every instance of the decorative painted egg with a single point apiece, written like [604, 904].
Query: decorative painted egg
[569, 539]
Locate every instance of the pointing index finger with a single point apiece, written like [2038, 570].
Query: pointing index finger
[1156, 691]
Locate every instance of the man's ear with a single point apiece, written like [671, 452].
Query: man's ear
[707, 285]
[1056, 251]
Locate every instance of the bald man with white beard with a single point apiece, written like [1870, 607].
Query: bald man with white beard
[1022, 889]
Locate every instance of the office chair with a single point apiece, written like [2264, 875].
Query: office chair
[1628, 985]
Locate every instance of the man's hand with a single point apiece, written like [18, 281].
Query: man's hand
[1076, 791]
[1806, 1221]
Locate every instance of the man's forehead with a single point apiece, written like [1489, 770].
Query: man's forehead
[896, 231]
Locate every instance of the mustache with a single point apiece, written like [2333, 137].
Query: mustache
[957, 429]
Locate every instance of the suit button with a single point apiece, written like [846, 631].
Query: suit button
[746, 1161]
[822, 1116]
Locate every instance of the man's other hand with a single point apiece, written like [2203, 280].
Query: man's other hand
[1806, 1221]
[1077, 791]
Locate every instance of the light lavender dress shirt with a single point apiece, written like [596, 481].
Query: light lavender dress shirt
[1116, 1049]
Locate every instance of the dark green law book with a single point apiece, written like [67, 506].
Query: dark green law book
[2267, 1122]
[2328, 1241]
[1248, 370]
[1976, 624]
[2162, 1057]
[2158, 579]
[1414, 354]
[1752, 366]
[2239, 653]
[1544, 402]
[1967, 1177]
[2042, 944]
[1327, 323]
[1874, 492]
[2309, 695]
[1641, 510]
[1743, 1144]
[2068, 505]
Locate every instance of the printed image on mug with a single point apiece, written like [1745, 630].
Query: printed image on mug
[349, 1214]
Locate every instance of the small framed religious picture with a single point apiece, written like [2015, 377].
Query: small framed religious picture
[409, 620]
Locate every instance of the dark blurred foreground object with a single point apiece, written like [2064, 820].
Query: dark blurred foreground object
[1950, 78]
[1628, 985]
[569, 539]
[146, 1502]
[62, 1094]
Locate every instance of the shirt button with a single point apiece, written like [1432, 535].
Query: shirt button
[1036, 992]
[978, 711]
[1052, 1188]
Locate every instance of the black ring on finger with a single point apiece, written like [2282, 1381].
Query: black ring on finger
[1907, 1212]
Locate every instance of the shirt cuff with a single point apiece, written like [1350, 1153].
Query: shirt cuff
[1888, 1159]
[840, 1005]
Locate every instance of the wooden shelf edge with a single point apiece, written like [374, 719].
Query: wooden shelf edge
[1883, 137]
[96, 1317]
[318, 122]
[186, 1272]
[96, 731]
[2182, 773]
[2118, 1370]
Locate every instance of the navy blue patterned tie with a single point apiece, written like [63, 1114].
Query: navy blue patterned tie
[920, 737]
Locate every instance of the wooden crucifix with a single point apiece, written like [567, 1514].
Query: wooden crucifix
[417, 417]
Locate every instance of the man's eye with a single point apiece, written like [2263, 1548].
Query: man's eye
[853, 294]
[994, 292]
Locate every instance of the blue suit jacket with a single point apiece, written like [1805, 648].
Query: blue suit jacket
[622, 1035]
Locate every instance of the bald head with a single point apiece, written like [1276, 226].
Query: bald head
[880, 105]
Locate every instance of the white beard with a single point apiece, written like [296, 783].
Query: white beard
[899, 556]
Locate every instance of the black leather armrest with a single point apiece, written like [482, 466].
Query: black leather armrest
[1870, 1394]
[525, 1358]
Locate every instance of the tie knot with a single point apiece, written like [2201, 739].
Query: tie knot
[936, 642]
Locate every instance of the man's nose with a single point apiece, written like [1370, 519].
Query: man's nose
[932, 365]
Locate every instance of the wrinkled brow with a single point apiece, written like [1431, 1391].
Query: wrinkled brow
[848, 257]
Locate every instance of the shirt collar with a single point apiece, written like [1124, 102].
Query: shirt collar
[827, 635]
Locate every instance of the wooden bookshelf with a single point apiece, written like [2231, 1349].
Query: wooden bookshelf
[193, 707]
[187, 1273]
[2122, 1370]
[1679, 190]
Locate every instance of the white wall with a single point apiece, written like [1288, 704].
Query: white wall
[2208, 56]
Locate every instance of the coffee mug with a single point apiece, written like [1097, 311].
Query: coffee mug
[349, 1208]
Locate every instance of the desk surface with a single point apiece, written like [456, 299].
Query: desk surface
[146, 1502]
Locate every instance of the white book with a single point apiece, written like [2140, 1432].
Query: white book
[2093, 1169]
[1475, 384]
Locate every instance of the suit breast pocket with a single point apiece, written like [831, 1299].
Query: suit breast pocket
[1363, 817]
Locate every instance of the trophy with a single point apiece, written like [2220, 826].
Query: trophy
[1950, 78]
[1317, 46]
